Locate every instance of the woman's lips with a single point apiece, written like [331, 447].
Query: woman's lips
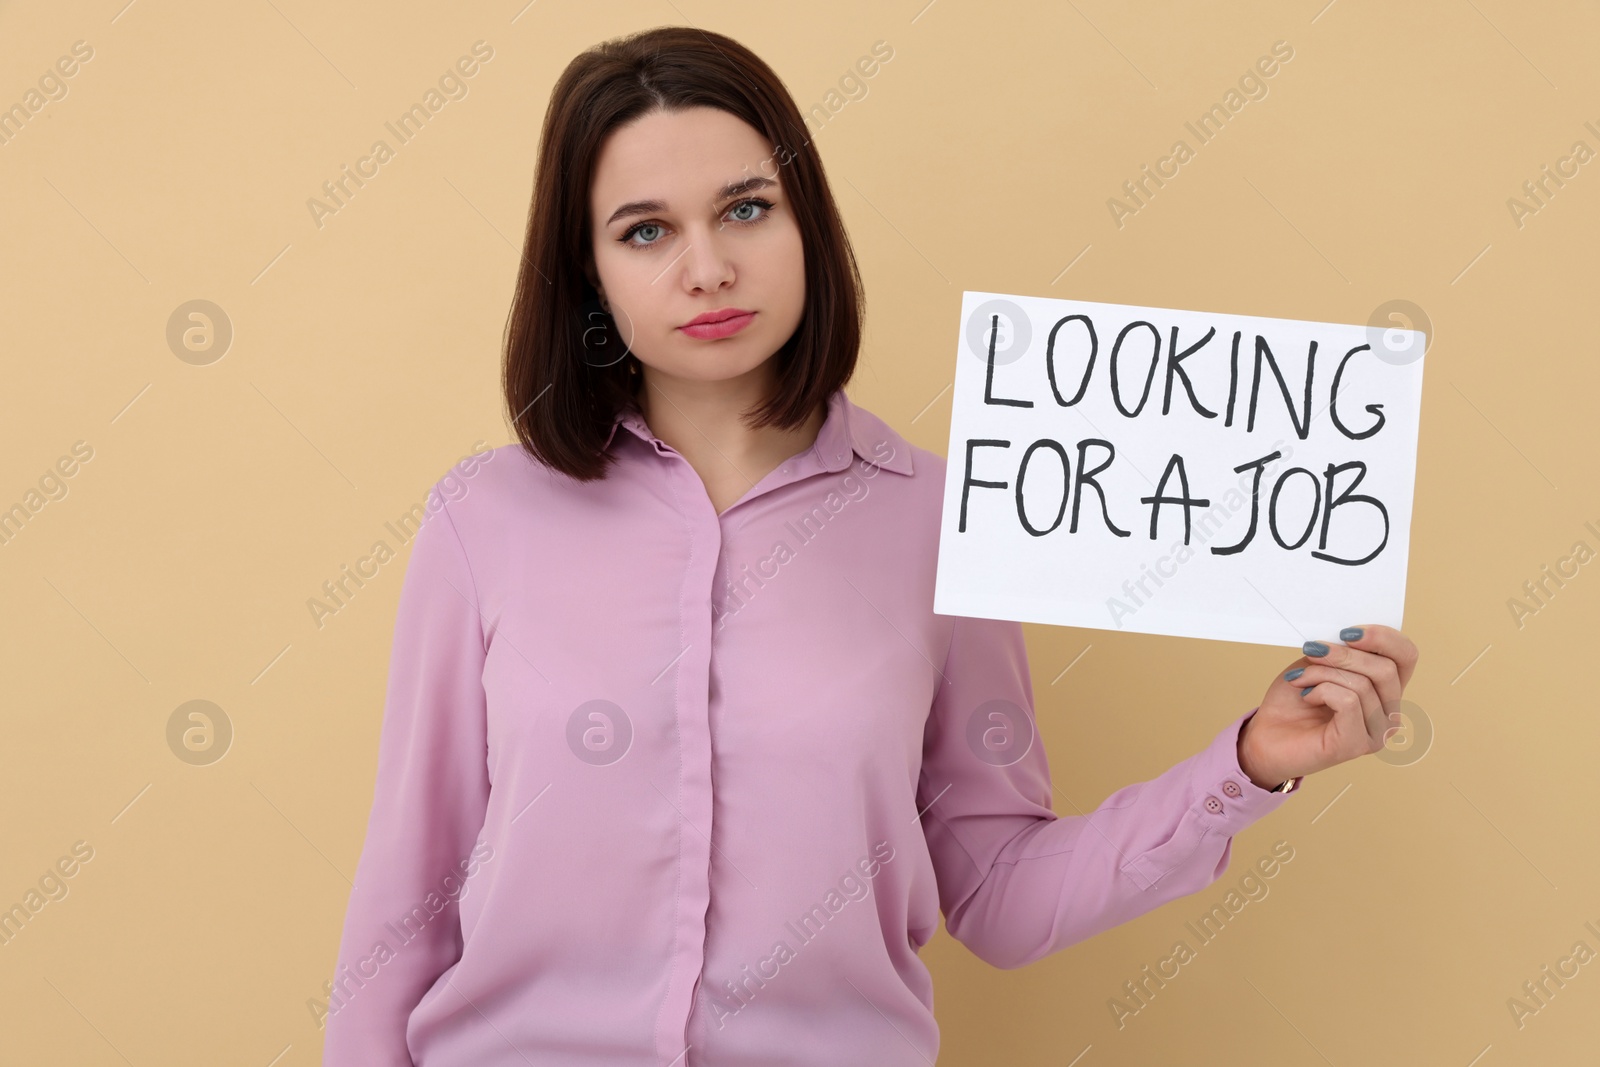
[708, 331]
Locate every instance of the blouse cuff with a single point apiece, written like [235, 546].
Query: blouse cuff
[1224, 795]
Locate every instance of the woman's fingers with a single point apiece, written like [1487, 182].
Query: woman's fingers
[1360, 682]
[1383, 672]
[1346, 692]
[1383, 641]
[1350, 735]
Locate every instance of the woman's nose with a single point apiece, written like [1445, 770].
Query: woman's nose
[707, 263]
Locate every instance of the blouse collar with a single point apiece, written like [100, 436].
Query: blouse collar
[845, 429]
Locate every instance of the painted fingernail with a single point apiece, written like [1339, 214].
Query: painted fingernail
[1292, 675]
[1314, 648]
[1307, 689]
[1351, 633]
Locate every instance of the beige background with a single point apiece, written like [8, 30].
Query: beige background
[219, 498]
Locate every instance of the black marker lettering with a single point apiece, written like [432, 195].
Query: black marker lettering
[967, 480]
[1272, 507]
[1349, 494]
[1188, 502]
[1086, 477]
[988, 381]
[1150, 376]
[1302, 426]
[1233, 378]
[1022, 473]
[1333, 402]
[1174, 359]
[1050, 359]
[1255, 498]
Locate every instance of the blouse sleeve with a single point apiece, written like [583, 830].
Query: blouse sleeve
[1018, 882]
[402, 928]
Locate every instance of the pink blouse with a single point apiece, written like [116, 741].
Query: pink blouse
[661, 786]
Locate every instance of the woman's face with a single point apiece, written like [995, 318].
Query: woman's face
[672, 241]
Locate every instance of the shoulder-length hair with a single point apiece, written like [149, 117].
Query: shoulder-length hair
[563, 390]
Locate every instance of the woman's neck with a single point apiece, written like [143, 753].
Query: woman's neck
[703, 422]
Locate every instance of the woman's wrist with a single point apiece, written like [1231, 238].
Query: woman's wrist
[1248, 764]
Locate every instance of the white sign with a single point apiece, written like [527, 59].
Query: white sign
[1178, 472]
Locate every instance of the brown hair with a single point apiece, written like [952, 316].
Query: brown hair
[563, 397]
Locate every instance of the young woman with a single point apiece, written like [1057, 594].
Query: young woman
[678, 766]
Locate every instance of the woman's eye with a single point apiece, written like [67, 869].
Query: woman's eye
[764, 205]
[640, 230]
[738, 213]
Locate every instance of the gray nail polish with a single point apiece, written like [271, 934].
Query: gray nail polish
[1351, 633]
[1314, 648]
[1292, 675]
[1307, 689]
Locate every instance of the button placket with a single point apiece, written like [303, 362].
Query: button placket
[694, 798]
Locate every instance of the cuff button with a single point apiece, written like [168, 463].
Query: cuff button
[1213, 805]
[1231, 788]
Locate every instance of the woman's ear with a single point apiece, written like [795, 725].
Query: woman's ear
[594, 282]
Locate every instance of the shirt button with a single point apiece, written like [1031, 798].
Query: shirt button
[1231, 788]
[1213, 805]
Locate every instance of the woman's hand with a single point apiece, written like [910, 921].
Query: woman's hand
[1350, 710]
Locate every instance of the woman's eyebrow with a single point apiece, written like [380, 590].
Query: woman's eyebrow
[728, 191]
